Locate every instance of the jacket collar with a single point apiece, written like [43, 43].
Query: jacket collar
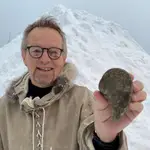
[19, 87]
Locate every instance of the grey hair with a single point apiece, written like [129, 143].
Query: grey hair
[48, 22]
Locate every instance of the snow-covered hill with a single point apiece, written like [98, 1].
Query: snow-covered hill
[95, 45]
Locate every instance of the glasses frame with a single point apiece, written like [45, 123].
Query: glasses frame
[44, 49]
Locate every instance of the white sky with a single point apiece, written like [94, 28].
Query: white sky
[133, 15]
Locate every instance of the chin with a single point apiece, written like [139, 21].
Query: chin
[43, 83]
[42, 80]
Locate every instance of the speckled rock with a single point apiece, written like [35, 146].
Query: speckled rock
[116, 86]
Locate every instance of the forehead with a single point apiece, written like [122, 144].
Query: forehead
[44, 37]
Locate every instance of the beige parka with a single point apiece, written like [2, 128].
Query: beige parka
[61, 120]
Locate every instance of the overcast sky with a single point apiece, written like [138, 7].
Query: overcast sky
[133, 15]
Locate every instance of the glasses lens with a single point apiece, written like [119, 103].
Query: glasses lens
[35, 52]
[54, 53]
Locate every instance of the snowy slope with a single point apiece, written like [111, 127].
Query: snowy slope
[94, 45]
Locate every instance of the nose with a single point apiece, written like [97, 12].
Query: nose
[45, 58]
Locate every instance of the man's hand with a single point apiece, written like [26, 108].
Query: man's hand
[106, 129]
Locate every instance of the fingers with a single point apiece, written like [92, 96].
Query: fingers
[136, 107]
[134, 110]
[137, 86]
[139, 96]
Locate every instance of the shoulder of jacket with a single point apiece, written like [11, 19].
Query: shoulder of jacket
[82, 93]
[81, 89]
[6, 101]
[3, 102]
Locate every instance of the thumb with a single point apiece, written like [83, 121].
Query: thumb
[101, 103]
[102, 110]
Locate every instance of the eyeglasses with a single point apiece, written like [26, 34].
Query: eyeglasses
[37, 52]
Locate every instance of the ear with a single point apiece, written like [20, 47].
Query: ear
[64, 58]
[23, 54]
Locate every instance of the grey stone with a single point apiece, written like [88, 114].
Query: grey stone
[116, 87]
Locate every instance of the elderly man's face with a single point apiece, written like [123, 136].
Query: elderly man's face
[43, 70]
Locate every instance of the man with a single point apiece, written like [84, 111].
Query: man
[44, 110]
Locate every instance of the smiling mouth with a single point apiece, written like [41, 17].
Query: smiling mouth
[45, 69]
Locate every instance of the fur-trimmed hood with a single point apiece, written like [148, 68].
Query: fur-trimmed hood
[19, 87]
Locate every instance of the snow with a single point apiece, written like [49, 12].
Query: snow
[95, 45]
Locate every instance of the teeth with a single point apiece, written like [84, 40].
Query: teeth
[46, 69]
